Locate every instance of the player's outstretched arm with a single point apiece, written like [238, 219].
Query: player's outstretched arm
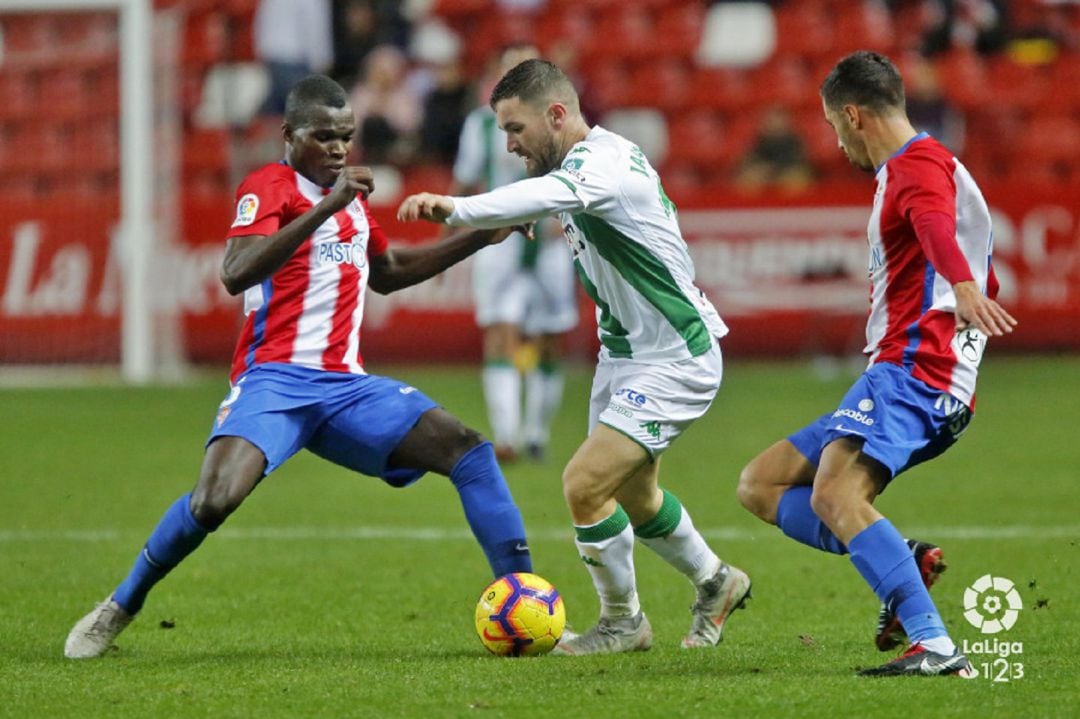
[974, 309]
[426, 206]
[251, 259]
[402, 267]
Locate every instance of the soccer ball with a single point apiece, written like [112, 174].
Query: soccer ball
[520, 614]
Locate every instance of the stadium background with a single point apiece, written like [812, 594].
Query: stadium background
[785, 268]
[331, 595]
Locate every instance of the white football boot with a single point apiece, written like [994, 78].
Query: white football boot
[717, 598]
[94, 634]
[609, 636]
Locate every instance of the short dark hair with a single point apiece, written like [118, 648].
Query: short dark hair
[867, 79]
[535, 80]
[311, 92]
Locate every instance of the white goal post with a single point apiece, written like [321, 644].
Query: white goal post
[137, 230]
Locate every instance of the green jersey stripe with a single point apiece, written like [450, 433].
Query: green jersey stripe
[649, 277]
[614, 334]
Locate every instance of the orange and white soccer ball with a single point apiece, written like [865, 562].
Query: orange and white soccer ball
[520, 615]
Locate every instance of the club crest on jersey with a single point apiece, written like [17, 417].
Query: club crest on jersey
[246, 209]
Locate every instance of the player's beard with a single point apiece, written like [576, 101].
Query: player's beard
[545, 159]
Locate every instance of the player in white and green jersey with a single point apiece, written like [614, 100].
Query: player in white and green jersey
[659, 366]
[521, 290]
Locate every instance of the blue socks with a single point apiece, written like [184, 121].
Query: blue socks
[885, 561]
[490, 510]
[176, 536]
[797, 520]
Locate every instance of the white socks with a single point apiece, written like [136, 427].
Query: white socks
[502, 392]
[543, 394]
[607, 549]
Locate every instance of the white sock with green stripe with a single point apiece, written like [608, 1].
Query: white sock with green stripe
[502, 392]
[607, 549]
[672, 535]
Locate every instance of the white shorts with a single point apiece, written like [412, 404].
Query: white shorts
[541, 299]
[653, 404]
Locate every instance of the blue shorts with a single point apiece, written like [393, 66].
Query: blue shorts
[901, 420]
[352, 420]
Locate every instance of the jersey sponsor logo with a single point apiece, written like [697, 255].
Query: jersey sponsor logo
[855, 415]
[246, 209]
[970, 344]
[632, 396]
[342, 253]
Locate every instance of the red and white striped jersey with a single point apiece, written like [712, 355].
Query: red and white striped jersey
[930, 229]
[308, 312]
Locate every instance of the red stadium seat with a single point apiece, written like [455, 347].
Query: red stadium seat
[964, 78]
[664, 84]
[1050, 147]
[726, 89]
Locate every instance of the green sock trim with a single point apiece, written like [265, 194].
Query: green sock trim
[498, 363]
[606, 529]
[665, 521]
[549, 366]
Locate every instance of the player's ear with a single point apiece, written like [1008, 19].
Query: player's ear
[852, 116]
[557, 115]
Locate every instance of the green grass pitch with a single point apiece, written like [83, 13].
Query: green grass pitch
[331, 595]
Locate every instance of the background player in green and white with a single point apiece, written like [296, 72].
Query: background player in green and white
[521, 290]
[659, 365]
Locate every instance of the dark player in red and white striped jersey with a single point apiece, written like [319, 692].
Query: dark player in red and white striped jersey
[303, 249]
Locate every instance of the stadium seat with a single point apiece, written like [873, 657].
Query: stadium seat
[698, 139]
[737, 35]
[964, 78]
[1049, 146]
[664, 84]
[644, 126]
[627, 34]
[806, 29]
[573, 24]
[1017, 85]
[725, 89]
[678, 29]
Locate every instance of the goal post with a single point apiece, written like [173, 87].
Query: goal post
[137, 233]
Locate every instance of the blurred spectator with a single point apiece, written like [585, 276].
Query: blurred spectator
[293, 39]
[360, 26]
[777, 158]
[1044, 31]
[977, 24]
[388, 110]
[445, 108]
[929, 110]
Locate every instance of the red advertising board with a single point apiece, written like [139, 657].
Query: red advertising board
[788, 276]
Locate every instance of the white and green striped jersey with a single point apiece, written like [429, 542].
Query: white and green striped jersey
[628, 250]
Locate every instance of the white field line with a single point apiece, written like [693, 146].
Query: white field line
[439, 535]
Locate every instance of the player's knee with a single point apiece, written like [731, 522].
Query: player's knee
[213, 501]
[826, 502]
[461, 440]
[580, 492]
[753, 493]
